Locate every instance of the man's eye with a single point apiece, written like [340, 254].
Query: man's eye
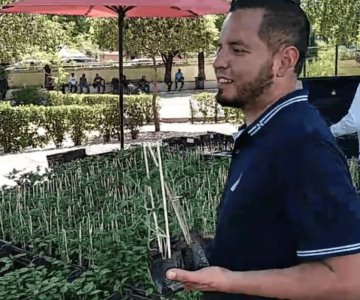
[239, 51]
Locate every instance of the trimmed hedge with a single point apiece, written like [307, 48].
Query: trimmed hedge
[70, 115]
[204, 106]
[144, 101]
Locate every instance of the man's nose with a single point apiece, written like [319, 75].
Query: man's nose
[221, 60]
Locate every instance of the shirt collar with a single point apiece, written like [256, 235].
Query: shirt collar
[272, 111]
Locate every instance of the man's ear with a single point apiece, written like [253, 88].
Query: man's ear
[287, 60]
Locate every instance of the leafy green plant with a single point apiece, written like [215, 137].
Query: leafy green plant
[97, 213]
[204, 106]
[56, 122]
[29, 96]
[19, 128]
[134, 117]
[35, 126]
[80, 121]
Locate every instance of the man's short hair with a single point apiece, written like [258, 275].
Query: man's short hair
[284, 24]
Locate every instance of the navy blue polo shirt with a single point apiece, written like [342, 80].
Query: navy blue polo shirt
[289, 197]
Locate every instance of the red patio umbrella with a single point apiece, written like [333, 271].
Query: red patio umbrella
[120, 9]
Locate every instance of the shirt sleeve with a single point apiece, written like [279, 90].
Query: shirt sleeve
[351, 122]
[322, 204]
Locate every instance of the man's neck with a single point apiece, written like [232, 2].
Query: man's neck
[254, 111]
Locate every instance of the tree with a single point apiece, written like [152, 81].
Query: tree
[154, 37]
[334, 21]
[19, 34]
[168, 37]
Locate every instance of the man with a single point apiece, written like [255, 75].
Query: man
[351, 122]
[179, 77]
[84, 84]
[4, 85]
[49, 79]
[99, 83]
[144, 85]
[72, 83]
[289, 220]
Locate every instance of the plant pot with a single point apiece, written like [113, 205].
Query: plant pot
[183, 256]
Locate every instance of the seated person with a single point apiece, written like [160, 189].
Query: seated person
[179, 77]
[99, 83]
[125, 82]
[351, 122]
[72, 83]
[84, 84]
[49, 79]
[144, 85]
[129, 87]
[4, 86]
[115, 85]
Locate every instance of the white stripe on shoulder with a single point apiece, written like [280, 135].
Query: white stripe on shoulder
[286, 102]
[271, 114]
[325, 251]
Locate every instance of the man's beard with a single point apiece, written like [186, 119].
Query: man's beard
[251, 91]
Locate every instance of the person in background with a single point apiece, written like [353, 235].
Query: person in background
[289, 220]
[179, 77]
[4, 85]
[72, 83]
[115, 85]
[84, 84]
[99, 83]
[49, 82]
[351, 122]
[144, 85]
[125, 82]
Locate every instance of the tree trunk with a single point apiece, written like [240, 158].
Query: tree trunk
[168, 59]
[201, 66]
[154, 98]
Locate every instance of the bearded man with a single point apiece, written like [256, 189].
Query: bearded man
[289, 220]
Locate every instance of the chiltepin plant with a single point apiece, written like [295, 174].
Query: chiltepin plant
[97, 213]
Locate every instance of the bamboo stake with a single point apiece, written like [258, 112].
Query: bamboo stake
[180, 216]
[152, 202]
[164, 202]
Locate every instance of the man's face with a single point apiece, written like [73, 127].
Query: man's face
[244, 64]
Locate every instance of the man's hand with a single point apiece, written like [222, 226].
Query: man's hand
[208, 279]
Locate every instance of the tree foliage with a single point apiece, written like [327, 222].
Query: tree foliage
[19, 34]
[335, 21]
[159, 36]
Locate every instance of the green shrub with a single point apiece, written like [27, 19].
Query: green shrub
[72, 114]
[134, 117]
[19, 128]
[30, 96]
[204, 105]
[80, 121]
[107, 120]
[144, 101]
[58, 99]
[56, 123]
[35, 126]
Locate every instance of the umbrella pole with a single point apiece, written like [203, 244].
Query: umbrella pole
[121, 20]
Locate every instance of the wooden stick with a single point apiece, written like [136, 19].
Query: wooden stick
[152, 202]
[164, 202]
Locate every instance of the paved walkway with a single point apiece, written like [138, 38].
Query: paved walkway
[173, 106]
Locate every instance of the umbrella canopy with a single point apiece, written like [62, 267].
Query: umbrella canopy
[120, 9]
[110, 8]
